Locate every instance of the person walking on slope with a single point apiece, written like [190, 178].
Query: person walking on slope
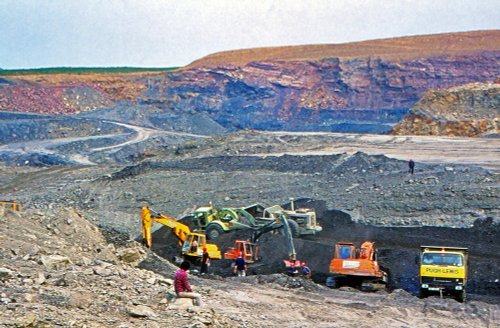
[181, 284]
[411, 166]
[205, 262]
[240, 266]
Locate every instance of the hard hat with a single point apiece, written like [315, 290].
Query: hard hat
[204, 249]
[240, 254]
[303, 263]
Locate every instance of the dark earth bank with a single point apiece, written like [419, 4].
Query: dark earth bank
[398, 249]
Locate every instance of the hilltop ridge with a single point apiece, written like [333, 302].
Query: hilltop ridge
[397, 48]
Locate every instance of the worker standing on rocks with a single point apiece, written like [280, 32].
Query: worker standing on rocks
[411, 166]
[181, 284]
[306, 272]
[240, 266]
[205, 262]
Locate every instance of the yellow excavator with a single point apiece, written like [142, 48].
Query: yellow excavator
[191, 243]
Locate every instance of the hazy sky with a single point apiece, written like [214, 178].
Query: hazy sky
[162, 33]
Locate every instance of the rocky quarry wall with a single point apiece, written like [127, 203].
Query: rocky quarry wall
[470, 110]
[364, 87]
[330, 94]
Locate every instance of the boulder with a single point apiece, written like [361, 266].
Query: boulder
[5, 274]
[140, 311]
[54, 261]
[130, 255]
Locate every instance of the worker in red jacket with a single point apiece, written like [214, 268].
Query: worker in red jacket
[181, 283]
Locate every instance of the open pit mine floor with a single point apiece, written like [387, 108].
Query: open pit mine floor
[358, 185]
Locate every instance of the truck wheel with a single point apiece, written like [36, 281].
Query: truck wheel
[294, 228]
[213, 231]
[423, 293]
[461, 296]
[331, 282]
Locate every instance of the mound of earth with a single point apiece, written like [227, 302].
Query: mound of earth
[470, 110]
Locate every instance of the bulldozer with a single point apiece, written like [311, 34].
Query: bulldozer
[191, 243]
[356, 267]
[214, 221]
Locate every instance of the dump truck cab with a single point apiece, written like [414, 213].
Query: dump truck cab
[443, 271]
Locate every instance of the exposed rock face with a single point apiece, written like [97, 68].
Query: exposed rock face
[357, 87]
[362, 87]
[470, 110]
[66, 94]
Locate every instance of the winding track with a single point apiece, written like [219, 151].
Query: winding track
[47, 146]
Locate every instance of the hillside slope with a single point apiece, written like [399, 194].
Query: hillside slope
[362, 87]
[470, 110]
[358, 87]
[390, 49]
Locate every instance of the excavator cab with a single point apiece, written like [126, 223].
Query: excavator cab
[13, 206]
[345, 251]
[246, 248]
[357, 267]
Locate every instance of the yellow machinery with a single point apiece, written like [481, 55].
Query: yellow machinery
[13, 206]
[443, 270]
[192, 243]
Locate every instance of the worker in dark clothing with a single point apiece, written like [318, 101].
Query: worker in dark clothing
[306, 272]
[240, 266]
[293, 268]
[411, 166]
[205, 262]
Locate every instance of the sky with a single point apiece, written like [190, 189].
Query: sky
[167, 33]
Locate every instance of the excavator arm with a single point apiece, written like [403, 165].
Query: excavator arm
[180, 230]
[184, 235]
[280, 222]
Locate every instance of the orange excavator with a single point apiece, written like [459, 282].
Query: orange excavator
[250, 249]
[191, 243]
[356, 267]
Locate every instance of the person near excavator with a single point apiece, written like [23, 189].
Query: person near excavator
[182, 287]
[194, 247]
[205, 262]
[306, 272]
[293, 269]
[240, 266]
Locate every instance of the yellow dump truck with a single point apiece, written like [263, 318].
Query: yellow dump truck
[443, 271]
